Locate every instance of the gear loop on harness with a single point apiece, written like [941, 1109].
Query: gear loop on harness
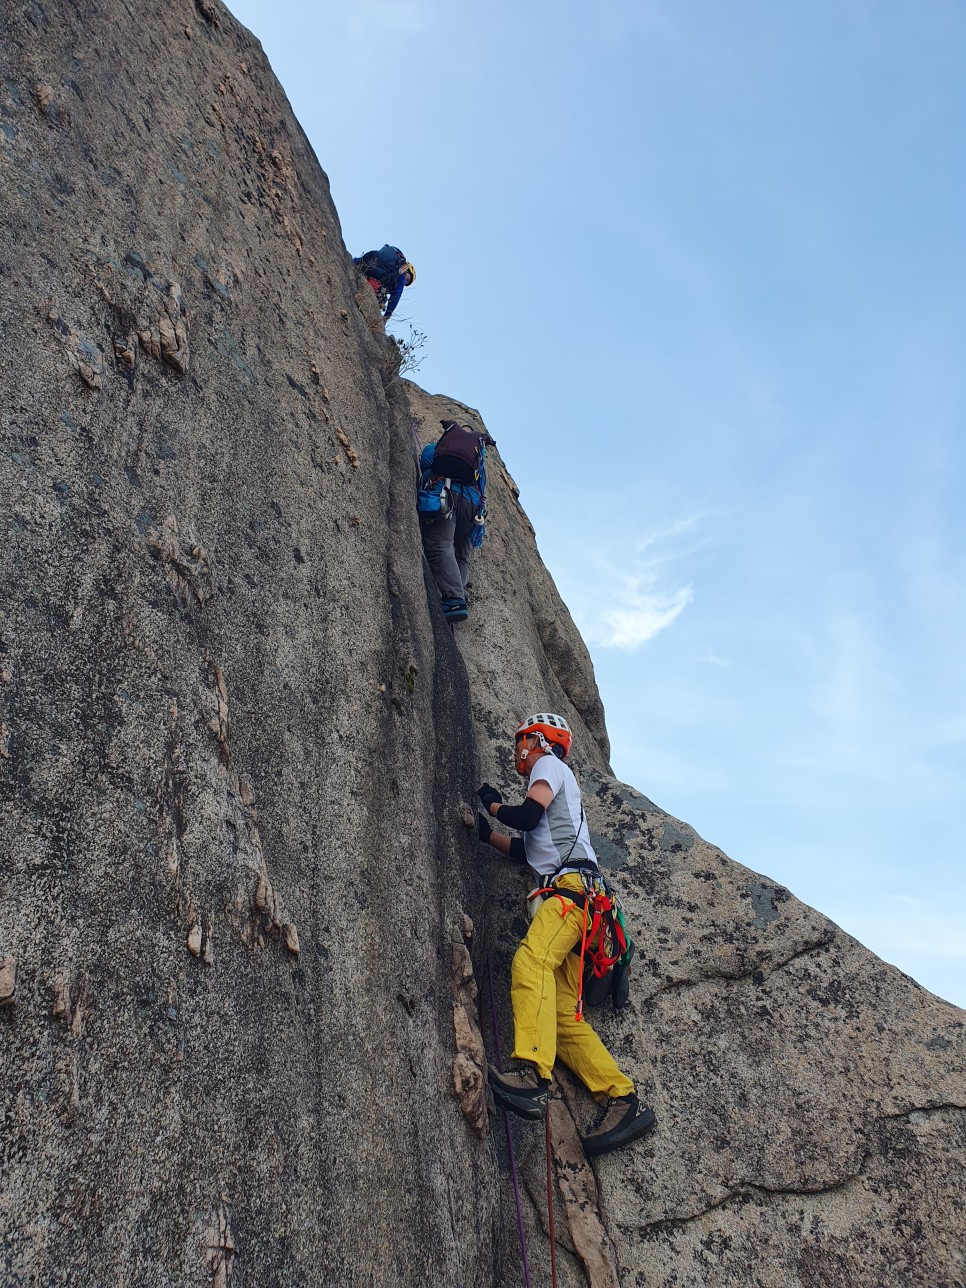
[602, 924]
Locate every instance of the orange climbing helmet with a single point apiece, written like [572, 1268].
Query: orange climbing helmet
[552, 732]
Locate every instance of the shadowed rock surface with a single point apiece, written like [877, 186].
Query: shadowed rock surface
[238, 1015]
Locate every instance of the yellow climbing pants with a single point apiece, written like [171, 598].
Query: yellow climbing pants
[544, 980]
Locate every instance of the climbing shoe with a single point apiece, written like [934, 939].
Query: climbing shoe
[455, 610]
[622, 1121]
[524, 1092]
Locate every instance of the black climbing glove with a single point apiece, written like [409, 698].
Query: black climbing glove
[488, 795]
[483, 829]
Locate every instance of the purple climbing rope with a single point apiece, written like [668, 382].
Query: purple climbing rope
[506, 1124]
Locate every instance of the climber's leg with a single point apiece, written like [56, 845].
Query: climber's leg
[578, 1044]
[438, 542]
[533, 987]
[462, 546]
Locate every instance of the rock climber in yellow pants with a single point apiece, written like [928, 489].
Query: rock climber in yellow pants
[546, 972]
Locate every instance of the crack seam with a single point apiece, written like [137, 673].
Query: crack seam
[922, 1109]
[743, 1188]
[737, 979]
[751, 1187]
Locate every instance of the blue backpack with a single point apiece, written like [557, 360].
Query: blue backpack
[464, 462]
[434, 500]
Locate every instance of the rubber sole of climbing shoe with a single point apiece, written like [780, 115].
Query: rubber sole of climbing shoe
[526, 1104]
[458, 614]
[634, 1126]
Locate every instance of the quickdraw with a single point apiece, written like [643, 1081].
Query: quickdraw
[604, 941]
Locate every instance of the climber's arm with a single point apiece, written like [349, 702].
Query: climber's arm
[397, 291]
[525, 817]
[511, 847]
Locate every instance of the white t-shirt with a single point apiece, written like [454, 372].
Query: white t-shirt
[552, 841]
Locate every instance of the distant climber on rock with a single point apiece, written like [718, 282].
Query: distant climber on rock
[452, 510]
[546, 972]
[387, 271]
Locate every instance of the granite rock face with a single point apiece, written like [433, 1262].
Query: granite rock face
[240, 1029]
[230, 855]
[811, 1100]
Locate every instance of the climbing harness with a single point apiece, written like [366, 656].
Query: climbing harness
[605, 947]
[506, 1124]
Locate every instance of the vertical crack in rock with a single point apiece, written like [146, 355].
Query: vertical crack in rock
[72, 1000]
[258, 910]
[72, 1004]
[170, 798]
[178, 363]
[218, 723]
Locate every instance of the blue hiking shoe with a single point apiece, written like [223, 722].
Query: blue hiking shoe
[455, 610]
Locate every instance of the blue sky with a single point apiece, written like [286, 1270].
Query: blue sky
[701, 268]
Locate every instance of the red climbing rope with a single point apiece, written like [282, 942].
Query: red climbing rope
[553, 1240]
[579, 1013]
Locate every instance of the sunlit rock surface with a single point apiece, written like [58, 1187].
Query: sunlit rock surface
[240, 1029]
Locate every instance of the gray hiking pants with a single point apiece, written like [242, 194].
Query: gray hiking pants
[447, 546]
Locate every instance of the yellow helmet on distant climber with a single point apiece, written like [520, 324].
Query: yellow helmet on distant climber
[552, 732]
[410, 272]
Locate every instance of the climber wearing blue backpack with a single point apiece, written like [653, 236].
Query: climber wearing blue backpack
[452, 508]
[387, 271]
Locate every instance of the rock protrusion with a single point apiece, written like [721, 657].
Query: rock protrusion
[185, 563]
[165, 335]
[200, 934]
[8, 980]
[218, 1243]
[579, 1194]
[469, 1065]
[84, 356]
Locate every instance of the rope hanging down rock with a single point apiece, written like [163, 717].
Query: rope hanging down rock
[509, 1137]
[553, 1239]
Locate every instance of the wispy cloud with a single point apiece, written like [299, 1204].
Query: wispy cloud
[711, 656]
[620, 601]
[643, 614]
